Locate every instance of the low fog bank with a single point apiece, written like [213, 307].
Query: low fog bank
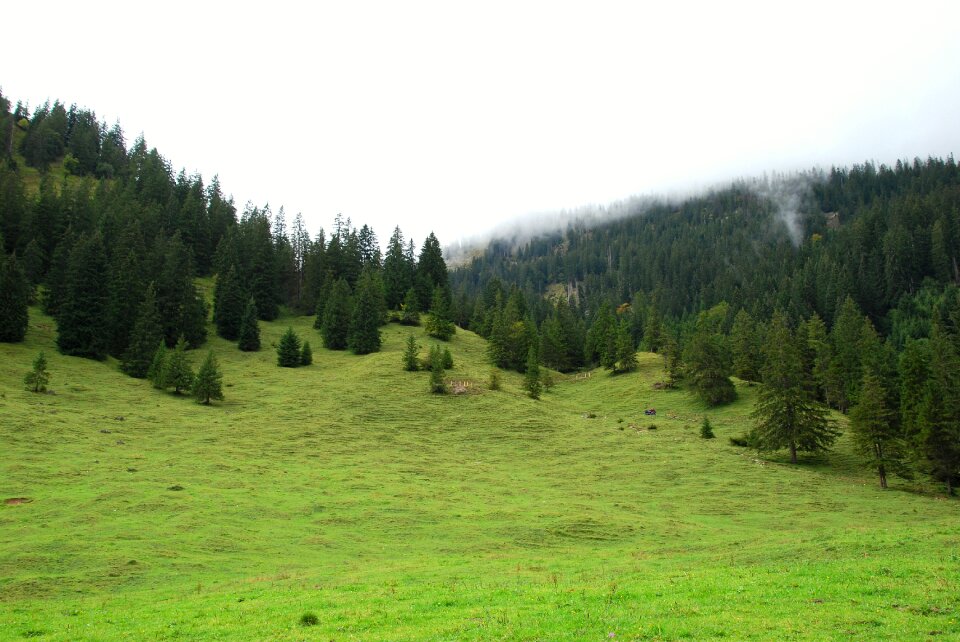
[787, 192]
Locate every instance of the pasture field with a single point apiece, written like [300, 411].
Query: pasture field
[346, 491]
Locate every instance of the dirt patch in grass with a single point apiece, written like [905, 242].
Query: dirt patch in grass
[13, 501]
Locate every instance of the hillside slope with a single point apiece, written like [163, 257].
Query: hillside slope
[346, 490]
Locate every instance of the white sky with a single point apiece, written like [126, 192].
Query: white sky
[454, 116]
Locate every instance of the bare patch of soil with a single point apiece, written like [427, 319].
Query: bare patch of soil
[13, 501]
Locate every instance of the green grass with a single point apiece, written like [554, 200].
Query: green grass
[346, 490]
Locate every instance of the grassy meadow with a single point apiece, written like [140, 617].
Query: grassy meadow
[346, 491]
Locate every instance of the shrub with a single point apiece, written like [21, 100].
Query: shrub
[309, 619]
[494, 383]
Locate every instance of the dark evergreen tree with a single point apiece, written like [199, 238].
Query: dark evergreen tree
[397, 275]
[336, 317]
[874, 429]
[208, 384]
[306, 354]
[411, 309]
[228, 305]
[177, 373]
[625, 356]
[706, 429]
[447, 359]
[82, 315]
[288, 350]
[439, 324]
[147, 332]
[437, 384]
[367, 315]
[531, 378]
[155, 373]
[938, 437]
[786, 415]
[37, 379]
[707, 358]
[745, 347]
[410, 352]
[431, 271]
[249, 337]
[601, 337]
[14, 300]
[845, 370]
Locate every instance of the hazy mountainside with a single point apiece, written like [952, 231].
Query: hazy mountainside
[886, 236]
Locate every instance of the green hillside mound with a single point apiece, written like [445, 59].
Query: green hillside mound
[344, 501]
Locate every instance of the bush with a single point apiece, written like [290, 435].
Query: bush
[309, 619]
[494, 383]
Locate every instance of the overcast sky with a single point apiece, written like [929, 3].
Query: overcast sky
[454, 116]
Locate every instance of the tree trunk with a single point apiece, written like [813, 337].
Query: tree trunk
[883, 476]
[793, 453]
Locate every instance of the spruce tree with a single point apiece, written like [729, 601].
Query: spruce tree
[83, 312]
[147, 332]
[37, 379]
[706, 429]
[367, 315]
[786, 415]
[14, 301]
[411, 309]
[410, 352]
[938, 437]
[158, 364]
[228, 306]
[249, 338]
[439, 324]
[447, 359]
[336, 316]
[177, 373]
[288, 350]
[209, 381]
[745, 347]
[625, 356]
[306, 354]
[531, 378]
[874, 429]
[708, 367]
[397, 276]
[437, 384]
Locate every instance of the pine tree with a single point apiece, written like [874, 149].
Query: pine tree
[785, 414]
[845, 370]
[494, 381]
[531, 378]
[147, 332]
[14, 301]
[411, 309]
[158, 366]
[431, 270]
[874, 429]
[706, 429]
[410, 352]
[249, 337]
[306, 354]
[745, 347]
[437, 384]
[938, 437]
[439, 324]
[228, 305]
[397, 276]
[83, 312]
[447, 359]
[626, 353]
[177, 373]
[288, 350]
[37, 379]
[367, 315]
[336, 317]
[708, 360]
[209, 381]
